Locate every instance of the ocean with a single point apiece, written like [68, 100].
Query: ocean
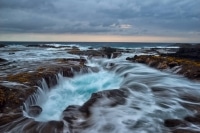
[96, 44]
[150, 96]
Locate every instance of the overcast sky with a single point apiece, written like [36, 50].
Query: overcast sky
[100, 20]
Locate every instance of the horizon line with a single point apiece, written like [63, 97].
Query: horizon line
[97, 42]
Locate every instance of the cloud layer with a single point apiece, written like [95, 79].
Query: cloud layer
[112, 17]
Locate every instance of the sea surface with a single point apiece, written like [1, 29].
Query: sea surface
[95, 44]
[154, 95]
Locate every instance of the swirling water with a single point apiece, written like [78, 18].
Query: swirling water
[75, 91]
[153, 97]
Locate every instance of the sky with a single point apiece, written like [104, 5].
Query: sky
[100, 20]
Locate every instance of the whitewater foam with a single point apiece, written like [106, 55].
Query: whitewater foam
[153, 97]
[75, 91]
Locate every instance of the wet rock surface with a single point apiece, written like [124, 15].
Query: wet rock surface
[117, 95]
[20, 84]
[186, 67]
[2, 60]
[188, 51]
[34, 110]
[103, 52]
[2, 45]
[17, 87]
[72, 115]
[184, 62]
[12, 98]
[174, 123]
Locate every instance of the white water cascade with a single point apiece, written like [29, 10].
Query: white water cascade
[153, 97]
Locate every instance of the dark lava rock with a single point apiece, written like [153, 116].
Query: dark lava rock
[27, 125]
[138, 59]
[181, 45]
[2, 60]
[90, 53]
[12, 98]
[34, 110]
[39, 127]
[185, 131]
[188, 67]
[72, 113]
[116, 97]
[11, 53]
[2, 45]
[188, 51]
[33, 45]
[116, 54]
[173, 122]
[7, 118]
[193, 119]
[108, 51]
[173, 64]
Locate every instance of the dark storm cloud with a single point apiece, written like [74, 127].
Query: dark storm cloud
[122, 17]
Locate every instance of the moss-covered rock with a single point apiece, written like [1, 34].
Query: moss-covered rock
[13, 96]
[189, 68]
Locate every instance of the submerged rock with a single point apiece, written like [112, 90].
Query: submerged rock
[185, 131]
[116, 54]
[115, 97]
[2, 45]
[174, 123]
[193, 119]
[108, 51]
[34, 110]
[72, 113]
[2, 60]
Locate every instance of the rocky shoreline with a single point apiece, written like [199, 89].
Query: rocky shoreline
[186, 62]
[17, 87]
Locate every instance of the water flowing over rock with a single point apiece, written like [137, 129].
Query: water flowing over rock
[73, 89]
[34, 111]
[117, 95]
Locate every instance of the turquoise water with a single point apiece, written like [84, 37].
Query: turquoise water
[75, 91]
[153, 95]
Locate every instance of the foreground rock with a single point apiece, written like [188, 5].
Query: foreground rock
[75, 118]
[17, 87]
[34, 110]
[117, 95]
[185, 62]
[79, 117]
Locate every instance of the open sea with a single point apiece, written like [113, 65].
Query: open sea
[96, 44]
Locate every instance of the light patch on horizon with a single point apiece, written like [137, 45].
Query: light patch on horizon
[93, 38]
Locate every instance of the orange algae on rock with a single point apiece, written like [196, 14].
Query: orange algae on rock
[189, 68]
